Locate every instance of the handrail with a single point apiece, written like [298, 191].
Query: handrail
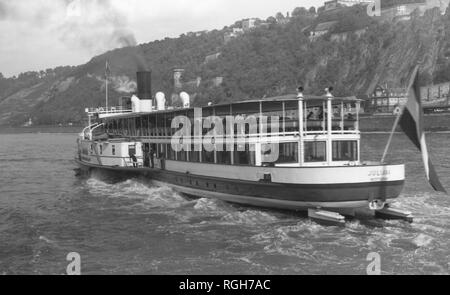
[126, 161]
[87, 127]
[109, 110]
[83, 133]
[98, 125]
[92, 129]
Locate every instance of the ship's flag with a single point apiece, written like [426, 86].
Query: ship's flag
[411, 122]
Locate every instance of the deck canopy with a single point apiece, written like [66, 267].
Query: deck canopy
[250, 106]
[286, 116]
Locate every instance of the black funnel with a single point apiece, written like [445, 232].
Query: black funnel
[144, 85]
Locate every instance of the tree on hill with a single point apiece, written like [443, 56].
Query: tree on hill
[271, 20]
[299, 11]
[279, 16]
[312, 10]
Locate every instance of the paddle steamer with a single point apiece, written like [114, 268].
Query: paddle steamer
[317, 164]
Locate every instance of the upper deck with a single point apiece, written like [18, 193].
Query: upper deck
[308, 113]
[310, 130]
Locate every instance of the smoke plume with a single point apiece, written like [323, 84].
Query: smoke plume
[96, 25]
[121, 83]
[92, 25]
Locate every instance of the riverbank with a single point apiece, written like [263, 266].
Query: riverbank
[432, 122]
[41, 129]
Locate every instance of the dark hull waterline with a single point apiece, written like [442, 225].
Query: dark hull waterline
[264, 194]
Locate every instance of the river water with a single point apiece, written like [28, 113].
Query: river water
[133, 227]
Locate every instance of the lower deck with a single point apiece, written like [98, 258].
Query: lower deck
[284, 188]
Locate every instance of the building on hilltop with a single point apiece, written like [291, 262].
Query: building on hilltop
[400, 10]
[248, 24]
[438, 94]
[386, 100]
[322, 29]
[233, 34]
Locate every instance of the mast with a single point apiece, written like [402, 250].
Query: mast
[106, 81]
[107, 71]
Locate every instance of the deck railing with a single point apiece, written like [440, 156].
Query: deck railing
[109, 110]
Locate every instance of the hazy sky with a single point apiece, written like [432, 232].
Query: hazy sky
[39, 34]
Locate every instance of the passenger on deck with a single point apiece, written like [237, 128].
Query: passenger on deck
[134, 159]
[151, 155]
[145, 152]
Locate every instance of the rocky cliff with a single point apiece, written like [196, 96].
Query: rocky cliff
[269, 60]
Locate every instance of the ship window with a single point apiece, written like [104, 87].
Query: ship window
[243, 155]
[160, 125]
[171, 153]
[161, 151]
[131, 150]
[288, 153]
[137, 124]
[315, 151]
[113, 148]
[132, 126]
[273, 109]
[144, 121]
[194, 156]
[224, 156]
[345, 150]
[168, 131]
[182, 156]
[291, 116]
[207, 157]
[119, 127]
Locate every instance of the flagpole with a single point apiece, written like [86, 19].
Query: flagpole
[391, 136]
[106, 81]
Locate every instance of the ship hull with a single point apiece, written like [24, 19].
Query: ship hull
[325, 194]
